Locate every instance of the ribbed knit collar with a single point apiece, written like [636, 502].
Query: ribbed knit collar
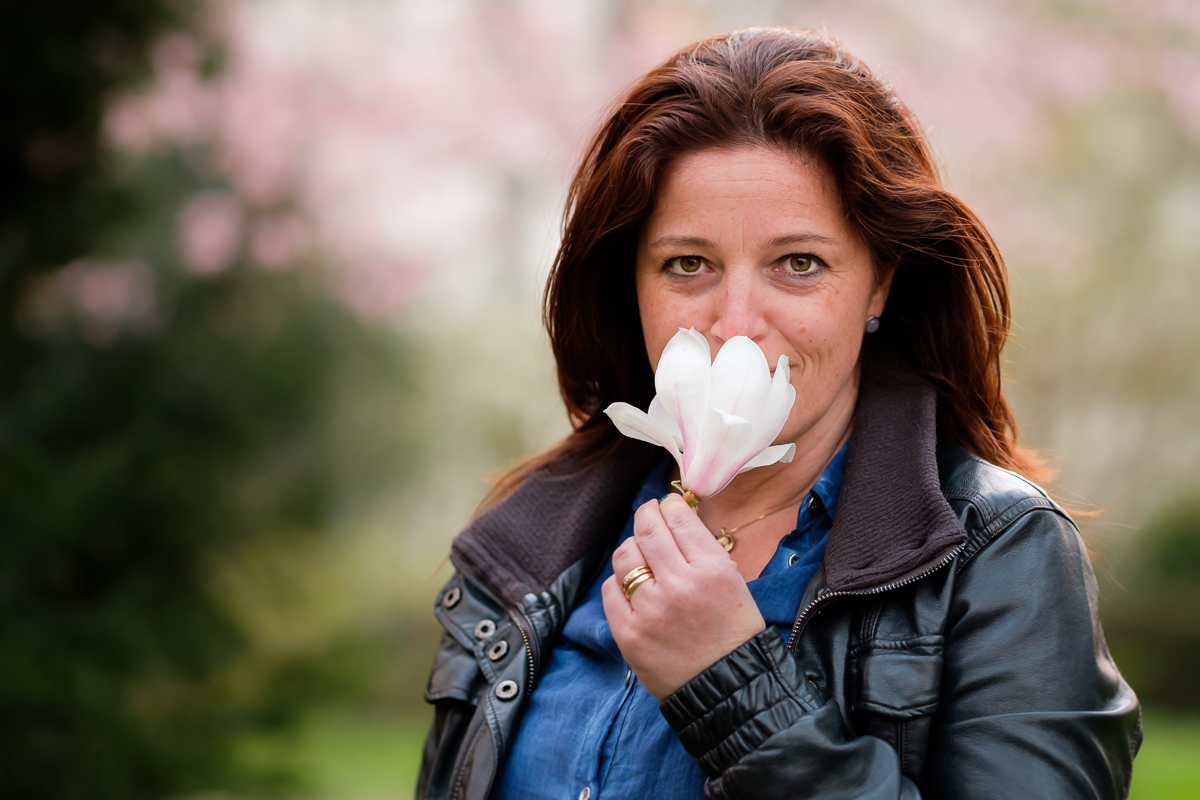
[892, 524]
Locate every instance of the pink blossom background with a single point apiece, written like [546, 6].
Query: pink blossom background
[418, 153]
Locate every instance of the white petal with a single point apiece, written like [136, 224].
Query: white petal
[660, 415]
[741, 378]
[724, 446]
[776, 407]
[636, 424]
[682, 383]
[775, 454]
[716, 417]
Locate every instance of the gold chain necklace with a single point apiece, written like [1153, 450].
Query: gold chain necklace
[725, 539]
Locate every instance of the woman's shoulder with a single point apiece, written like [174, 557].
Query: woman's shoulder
[992, 501]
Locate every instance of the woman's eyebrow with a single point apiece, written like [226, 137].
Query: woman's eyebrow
[801, 238]
[681, 241]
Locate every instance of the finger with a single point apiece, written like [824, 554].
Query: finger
[655, 540]
[626, 559]
[627, 556]
[692, 537]
[616, 606]
[643, 590]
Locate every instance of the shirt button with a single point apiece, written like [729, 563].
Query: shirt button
[792, 559]
[628, 675]
[585, 793]
[814, 504]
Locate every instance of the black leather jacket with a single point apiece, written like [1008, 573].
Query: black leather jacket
[949, 647]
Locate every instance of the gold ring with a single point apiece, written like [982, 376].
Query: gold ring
[636, 582]
[636, 577]
[633, 574]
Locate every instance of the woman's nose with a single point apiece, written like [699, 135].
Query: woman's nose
[739, 311]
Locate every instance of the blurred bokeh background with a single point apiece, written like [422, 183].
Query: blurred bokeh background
[269, 284]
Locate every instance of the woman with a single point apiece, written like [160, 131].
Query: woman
[901, 614]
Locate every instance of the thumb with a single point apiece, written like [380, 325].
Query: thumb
[694, 539]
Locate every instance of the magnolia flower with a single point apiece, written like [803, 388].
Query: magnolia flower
[716, 417]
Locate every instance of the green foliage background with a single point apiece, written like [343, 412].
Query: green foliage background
[136, 455]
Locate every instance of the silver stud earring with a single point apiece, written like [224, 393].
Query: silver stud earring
[872, 324]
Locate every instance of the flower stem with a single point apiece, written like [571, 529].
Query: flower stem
[691, 499]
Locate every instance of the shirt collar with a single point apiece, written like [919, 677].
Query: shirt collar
[828, 487]
[657, 484]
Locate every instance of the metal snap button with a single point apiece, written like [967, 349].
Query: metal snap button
[507, 690]
[497, 651]
[585, 793]
[450, 599]
[792, 559]
[484, 629]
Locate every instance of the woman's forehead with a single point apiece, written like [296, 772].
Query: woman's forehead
[755, 191]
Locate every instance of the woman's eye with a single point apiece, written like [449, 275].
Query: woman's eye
[801, 265]
[686, 264]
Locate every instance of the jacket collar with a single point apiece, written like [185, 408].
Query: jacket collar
[892, 524]
[559, 515]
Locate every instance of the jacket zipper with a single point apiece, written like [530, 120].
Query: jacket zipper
[517, 616]
[457, 779]
[821, 599]
[532, 654]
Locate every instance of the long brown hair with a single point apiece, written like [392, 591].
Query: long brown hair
[947, 316]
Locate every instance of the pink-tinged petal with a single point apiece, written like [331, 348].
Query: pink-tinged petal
[660, 415]
[682, 384]
[711, 443]
[724, 448]
[741, 378]
[636, 424]
[777, 406]
[775, 454]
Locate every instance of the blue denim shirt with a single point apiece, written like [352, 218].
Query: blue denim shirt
[590, 724]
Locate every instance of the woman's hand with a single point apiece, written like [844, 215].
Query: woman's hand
[692, 613]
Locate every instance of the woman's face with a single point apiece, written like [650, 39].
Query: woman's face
[754, 242]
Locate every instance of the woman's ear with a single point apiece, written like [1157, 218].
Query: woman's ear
[883, 285]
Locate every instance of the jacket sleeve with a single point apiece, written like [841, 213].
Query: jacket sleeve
[1031, 704]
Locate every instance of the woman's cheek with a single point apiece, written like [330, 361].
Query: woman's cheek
[801, 418]
[817, 374]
